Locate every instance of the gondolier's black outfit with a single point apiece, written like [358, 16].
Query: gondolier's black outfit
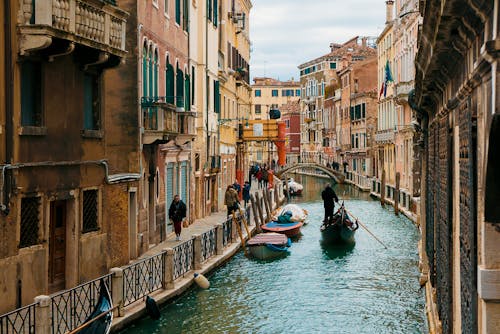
[328, 195]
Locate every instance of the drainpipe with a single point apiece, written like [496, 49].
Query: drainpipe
[9, 89]
[109, 178]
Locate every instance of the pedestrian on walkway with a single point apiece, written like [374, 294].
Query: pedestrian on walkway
[259, 177]
[237, 186]
[231, 200]
[246, 193]
[265, 177]
[177, 213]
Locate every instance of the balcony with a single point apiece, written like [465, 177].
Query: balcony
[96, 24]
[214, 164]
[164, 120]
[402, 91]
[385, 136]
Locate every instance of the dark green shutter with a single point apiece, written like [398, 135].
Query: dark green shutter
[216, 97]
[169, 84]
[216, 12]
[180, 88]
[178, 11]
[352, 113]
[187, 100]
[88, 119]
[31, 98]
[144, 72]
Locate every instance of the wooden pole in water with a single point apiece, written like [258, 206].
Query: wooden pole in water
[366, 228]
[382, 189]
[254, 211]
[238, 227]
[396, 197]
[265, 194]
[244, 219]
[259, 207]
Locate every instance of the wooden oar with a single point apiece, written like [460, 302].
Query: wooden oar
[366, 228]
[84, 325]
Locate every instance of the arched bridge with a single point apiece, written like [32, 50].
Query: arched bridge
[334, 174]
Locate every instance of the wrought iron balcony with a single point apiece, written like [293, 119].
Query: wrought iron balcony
[164, 119]
[97, 24]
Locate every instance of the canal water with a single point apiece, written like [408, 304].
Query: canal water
[315, 289]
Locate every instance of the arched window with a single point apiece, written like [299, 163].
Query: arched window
[179, 86]
[187, 93]
[169, 82]
[150, 74]
[144, 70]
[155, 79]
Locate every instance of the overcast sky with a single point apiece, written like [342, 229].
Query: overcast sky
[287, 33]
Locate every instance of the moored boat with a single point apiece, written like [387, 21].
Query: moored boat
[99, 321]
[267, 246]
[339, 229]
[294, 187]
[284, 225]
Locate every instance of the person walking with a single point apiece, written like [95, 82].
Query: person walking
[328, 195]
[265, 177]
[246, 193]
[231, 200]
[177, 213]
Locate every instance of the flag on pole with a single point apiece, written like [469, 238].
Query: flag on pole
[387, 77]
[381, 91]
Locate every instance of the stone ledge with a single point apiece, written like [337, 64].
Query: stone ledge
[488, 284]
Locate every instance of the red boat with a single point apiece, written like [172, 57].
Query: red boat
[291, 229]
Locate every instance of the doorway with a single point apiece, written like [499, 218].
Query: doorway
[57, 246]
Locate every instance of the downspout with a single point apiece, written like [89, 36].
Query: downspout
[9, 90]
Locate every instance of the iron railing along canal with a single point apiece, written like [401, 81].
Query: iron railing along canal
[142, 278]
[70, 308]
[183, 258]
[208, 244]
[19, 321]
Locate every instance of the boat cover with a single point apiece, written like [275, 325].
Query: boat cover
[279, 226]
[298, 214]
[268, 238]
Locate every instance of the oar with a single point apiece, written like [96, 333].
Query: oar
[366, 228]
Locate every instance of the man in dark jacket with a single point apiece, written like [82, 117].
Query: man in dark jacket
[328, 195]
[177, 212]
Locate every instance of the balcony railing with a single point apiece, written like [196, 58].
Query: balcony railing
[403, 89]
[161, 117]
[94, 23]
[384, 136]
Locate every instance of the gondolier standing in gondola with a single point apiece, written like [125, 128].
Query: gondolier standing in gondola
[328, 195]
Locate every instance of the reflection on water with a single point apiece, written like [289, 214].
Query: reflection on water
[361, 289]
[337, 251]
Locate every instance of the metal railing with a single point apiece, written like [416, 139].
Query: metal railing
[208, 244]
[142, 278]
[19, 321]
[183, 258]
[70, 308]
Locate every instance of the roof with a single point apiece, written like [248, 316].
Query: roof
[265, 81]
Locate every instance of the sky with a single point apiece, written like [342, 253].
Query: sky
[287, 33]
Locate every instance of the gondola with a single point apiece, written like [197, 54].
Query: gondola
[339, 229]
[99, 321]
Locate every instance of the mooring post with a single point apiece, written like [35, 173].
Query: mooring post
[258, 204]
[396, 195]
[382, 189]
[254, 211]
[168, 275]
[197, 251]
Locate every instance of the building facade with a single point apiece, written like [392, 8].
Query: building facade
[457, 103]
[269, 94]
[65, 185]
[290, 114]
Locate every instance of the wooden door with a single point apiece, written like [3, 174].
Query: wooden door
[57, 246]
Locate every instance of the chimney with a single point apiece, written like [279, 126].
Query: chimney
[363, 42]
[389, 4]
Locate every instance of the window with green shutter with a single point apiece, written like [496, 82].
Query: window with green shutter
[178, 11]
[169, 83]
[180, 88]
[155, 75]
[352, 113]
[144, 71]
[91, 102]
[150, 74]
[216, 12]
[216, 96]
[333, 66]
[274, 92]
[187, 94]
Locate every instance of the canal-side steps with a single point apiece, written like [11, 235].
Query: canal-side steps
[163, 273]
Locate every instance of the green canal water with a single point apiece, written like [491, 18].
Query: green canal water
[315, 289]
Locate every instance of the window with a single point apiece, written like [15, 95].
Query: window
[90, 207]
[216, 96]
[187, 85]
[216, 12]
[363, 110]
[297, 92]
[274, 92]
[287, 123]
[165, 6]
[185, 16]
[31, 94]
[192, 85]
[179, 86]
[30, 217]
[333, 66]
[258, 93]
[169, 83]
[258, 109]
[178, 11]
[91, 102]
[145, 70]
[209, 9]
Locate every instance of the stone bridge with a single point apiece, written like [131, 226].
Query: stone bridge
[334, 174]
